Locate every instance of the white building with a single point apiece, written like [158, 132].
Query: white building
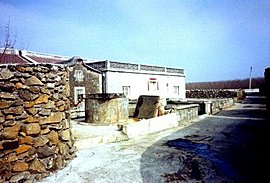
[136, 79]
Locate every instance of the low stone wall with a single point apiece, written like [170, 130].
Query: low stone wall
[35, 135]
[187, 112]
[218, 104]
[178, 116]
[212, 106]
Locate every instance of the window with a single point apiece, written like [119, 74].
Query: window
[176, 90]
[78, 74]
[126, 91]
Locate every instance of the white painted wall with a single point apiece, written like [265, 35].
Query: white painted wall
[138, 83]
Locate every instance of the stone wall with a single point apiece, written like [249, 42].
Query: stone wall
[90, 80]
[187, 112]
[211, 94]
[219, 104]
[211, 106]
[35, 135]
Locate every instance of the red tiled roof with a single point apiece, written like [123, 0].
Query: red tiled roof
[8, 58]
[46, 59]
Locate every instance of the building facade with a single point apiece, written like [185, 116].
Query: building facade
[83, 80]
[136, 79]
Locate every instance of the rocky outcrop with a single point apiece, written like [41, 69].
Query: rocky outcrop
[35, 135]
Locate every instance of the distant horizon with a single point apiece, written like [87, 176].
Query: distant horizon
[211, 40]
[241, 79]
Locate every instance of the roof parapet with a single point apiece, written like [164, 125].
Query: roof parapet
[22, 53]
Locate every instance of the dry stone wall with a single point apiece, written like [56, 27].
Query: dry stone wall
[211, 94]
[35, 135]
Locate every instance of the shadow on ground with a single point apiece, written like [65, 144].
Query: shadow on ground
[212, 150]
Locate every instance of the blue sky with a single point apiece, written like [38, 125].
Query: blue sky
[211, 39]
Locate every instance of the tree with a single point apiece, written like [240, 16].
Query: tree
[10, 39]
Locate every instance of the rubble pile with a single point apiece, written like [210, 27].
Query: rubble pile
[35, 135]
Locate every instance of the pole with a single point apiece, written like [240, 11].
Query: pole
[250, 77]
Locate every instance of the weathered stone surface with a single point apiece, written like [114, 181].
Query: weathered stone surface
[5, 104]
[21, 86]
[53, 137]
[9, 123]
[45, 131]
[22, 133]
[7, 87]
[23, 155]
[14, 110]
[2, 119]
[31, 111]
[29, 104]
[63, 148]
[34, 89]
[6, 74]
[50, 85]
[53, 118]
[147, 107]
[48, 162]
[10, 144]
[45, 112]
[36, 166]
[21, 117]
[26, 95]
[62, 108]
[33, 81]
[49, 105]
[20, 166]
[58, 162]
[5, 95]
[26, 140]
[24, 69]
[20, 177]
[31, 156]
[45, 151]
[25, 75]
[22, 148]
[32, 128]
[42, 99]
[65, 124]
[53, 126]
[64, 135]
[31, 119]
[18, 102]
[40, 141]
[11, 132]
[45, 91]
[10, 158]
[59, 103]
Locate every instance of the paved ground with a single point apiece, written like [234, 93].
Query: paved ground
[227, 147]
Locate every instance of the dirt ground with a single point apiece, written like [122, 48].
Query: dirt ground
[230, 146]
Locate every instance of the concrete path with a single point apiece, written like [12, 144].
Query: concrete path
[227, 147]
